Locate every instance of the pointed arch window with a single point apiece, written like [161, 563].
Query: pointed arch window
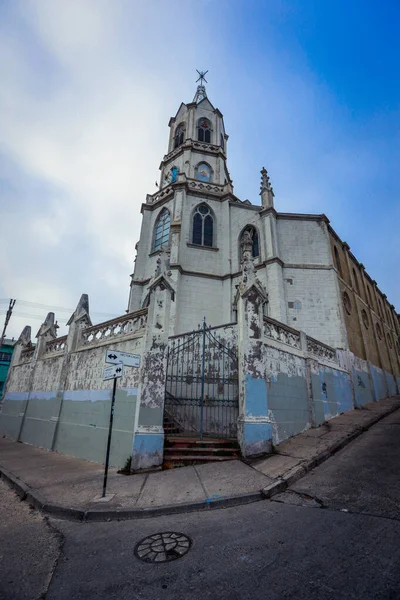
[356, 282]
[337, 261]
[161, 231]
[179, 137]
[203, 226]
[204, 131]
[255, 245]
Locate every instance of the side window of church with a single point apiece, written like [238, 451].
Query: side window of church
[179, 137]
[204, 131]
[255, 247]
[203, 226]
[161, 236]
[203, 172]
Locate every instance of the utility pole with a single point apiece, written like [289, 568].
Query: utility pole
[8, 317]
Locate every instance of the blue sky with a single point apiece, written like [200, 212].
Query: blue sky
[310, 90]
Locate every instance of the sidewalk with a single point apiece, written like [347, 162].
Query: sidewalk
[67, 487]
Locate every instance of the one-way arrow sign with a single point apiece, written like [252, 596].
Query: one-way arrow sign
[129, 360]
[113, 372]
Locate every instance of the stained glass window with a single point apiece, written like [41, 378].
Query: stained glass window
[203, 226]
[161, 237]
[204, 131]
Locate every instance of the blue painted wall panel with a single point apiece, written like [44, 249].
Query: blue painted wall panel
[391, 384]
[362, 387]
[288, 405]
[256, 397]
[379, 382]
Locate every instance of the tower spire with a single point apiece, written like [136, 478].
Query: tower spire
[201, 88]
[266, 191]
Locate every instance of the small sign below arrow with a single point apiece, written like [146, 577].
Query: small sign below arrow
[113, 372]
[129, 360]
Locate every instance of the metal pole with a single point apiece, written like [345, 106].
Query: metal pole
[109, 438]
[202, 379]
[8, 317]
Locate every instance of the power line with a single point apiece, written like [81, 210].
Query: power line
[31, 316]
[29, 304]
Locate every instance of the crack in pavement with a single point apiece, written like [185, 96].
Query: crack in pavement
[294, 498]
[61, 542]
[298, 499]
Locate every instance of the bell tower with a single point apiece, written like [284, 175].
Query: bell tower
[185, 229]
[197, 143]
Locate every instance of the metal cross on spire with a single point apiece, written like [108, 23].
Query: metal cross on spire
[202, 76]
[201, 89]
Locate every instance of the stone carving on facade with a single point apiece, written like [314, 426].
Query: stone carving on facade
[163, 264]
[27, 349]
[49, 327]
[249, 278]
[81, 313]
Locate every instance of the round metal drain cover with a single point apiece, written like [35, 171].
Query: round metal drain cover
[163, 547]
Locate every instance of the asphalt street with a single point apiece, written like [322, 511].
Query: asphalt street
[333, 535]
[29, 548]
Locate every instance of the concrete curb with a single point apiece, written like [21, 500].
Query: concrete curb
[118, 514]
[282, 483]
[16, 484]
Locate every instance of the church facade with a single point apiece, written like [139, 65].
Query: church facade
[247, 325]
[197, 224]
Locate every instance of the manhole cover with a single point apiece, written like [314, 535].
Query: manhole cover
[163, 547]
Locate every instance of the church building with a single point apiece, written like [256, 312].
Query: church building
[195, 222]
[245, 326]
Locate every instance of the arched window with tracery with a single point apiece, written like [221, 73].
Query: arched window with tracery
[203, 226]
[179, 136]
[161, 230]
[204, 131]
[255, 245]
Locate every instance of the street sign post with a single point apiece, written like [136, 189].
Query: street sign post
[128, 360]
[113, 372]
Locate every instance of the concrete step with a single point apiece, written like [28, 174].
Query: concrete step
[201, 451]
[193, 441]
[197, 458]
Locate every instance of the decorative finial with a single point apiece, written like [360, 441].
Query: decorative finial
[266, 191]
[201, 89]
[202, 76]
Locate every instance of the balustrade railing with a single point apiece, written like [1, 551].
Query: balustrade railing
[27, 354]
[152, 199]
[320, 350]
[281, 333]
[56, 345]
[207, 187]
[115, 328]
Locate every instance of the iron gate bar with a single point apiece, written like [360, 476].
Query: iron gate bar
[200, 359]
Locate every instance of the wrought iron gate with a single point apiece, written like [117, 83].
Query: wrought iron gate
[201, 395]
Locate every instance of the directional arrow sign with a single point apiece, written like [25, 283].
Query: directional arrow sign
[113, 372]
[129, 360]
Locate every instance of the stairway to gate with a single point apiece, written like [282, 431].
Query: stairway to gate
[179, 451]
